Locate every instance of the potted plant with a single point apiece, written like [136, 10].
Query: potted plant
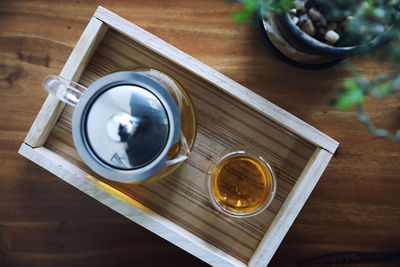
[318, 34]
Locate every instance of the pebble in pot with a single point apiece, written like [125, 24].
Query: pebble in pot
[331, 36]
[312, 19]
[308, 27]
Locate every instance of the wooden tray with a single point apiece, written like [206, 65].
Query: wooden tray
[177, 207]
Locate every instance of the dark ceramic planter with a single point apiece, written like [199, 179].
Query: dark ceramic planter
[297, 48]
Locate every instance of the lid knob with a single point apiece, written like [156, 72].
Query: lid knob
[121, 126]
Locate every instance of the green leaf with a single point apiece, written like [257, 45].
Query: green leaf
[384, 88]
[240, 16]
[354, 95]
[250, 5]
[287, 4]
[344, 102]
[351, 84]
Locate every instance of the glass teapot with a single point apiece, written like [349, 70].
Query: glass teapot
[129, 126]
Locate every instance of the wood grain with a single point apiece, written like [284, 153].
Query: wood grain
[72, 70]
[223, 123]
[127, 206]
[43, 221]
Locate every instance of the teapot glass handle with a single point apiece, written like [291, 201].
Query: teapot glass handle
[65, 90]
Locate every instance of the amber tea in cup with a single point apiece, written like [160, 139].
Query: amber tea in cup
[241, 184]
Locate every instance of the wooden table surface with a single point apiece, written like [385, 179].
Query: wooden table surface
[352, 216]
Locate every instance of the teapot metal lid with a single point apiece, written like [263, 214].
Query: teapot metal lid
[124, 125]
